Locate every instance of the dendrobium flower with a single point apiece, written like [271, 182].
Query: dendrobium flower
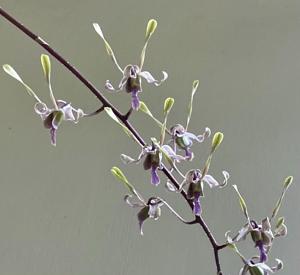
[261, 235]
[52, 117]
[195, 180]
[184, 140]
[132, 75]
[151, 209]
[153, 159]
[253, 267]
[61, 110]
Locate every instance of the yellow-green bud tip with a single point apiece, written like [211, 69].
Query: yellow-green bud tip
[151, 26]
[168, 104]
[217, 140]
[288, 181]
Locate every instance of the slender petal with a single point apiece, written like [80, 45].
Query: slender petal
[206, 134]
[154, 176]
[191, 137]
[53, 136]
[68, 111]
[171, 153]
[262, 252]
[41, 108]
[210, 180]
[189, 155]
[129, 199]
[135, 102]
[281, 231]
[197, 205]
[142, 216]
[150, 79]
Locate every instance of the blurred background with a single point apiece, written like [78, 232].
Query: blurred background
[61, 210]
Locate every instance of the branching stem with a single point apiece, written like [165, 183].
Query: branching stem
[123, 117]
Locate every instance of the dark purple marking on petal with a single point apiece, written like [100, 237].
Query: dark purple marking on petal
[53, 136]
[154, 176]
[188, 154]
[197, 205]
[147, 162]
[263, 255]
[135, 102]
[142, 216]
[48, 121]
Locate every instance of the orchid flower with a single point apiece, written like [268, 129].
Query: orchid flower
[261, 234]
[184, 139]
[132, 75]
[153, 159]
[253, 267]
[61, 110]
[195, 180]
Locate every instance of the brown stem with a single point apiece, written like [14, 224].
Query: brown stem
[123, 117]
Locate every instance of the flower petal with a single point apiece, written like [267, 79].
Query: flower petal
[150, 79]
[191, 136]
[135, 102]
[58, 117]
[129, 199]
[206, 134]
[262, 252]
[142, 216]
[170, 187]
[197, 205]
[68, 112]
[171, 153]
[154, 209]
[242, 234]
[189, 155]
[154, 176]
[53, 136]
[281, 231]
[41, 108]
[278, 266]
[210, 180]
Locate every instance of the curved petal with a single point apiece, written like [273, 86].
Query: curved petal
[205, 135]
[127, 159]
[170, 187]
[154, 211]
[109, 87]
[278, 266]
[42, 110]
[142, 216]
[58, 117]
[130, 201]
[212, 182]
[68, 112]
[171, 153]
[189, 155]
[281, 231]
[242, 234]
[191, 136]
[244, 270]
[150, 79]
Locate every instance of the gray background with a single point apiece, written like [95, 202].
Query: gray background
[62, 212]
